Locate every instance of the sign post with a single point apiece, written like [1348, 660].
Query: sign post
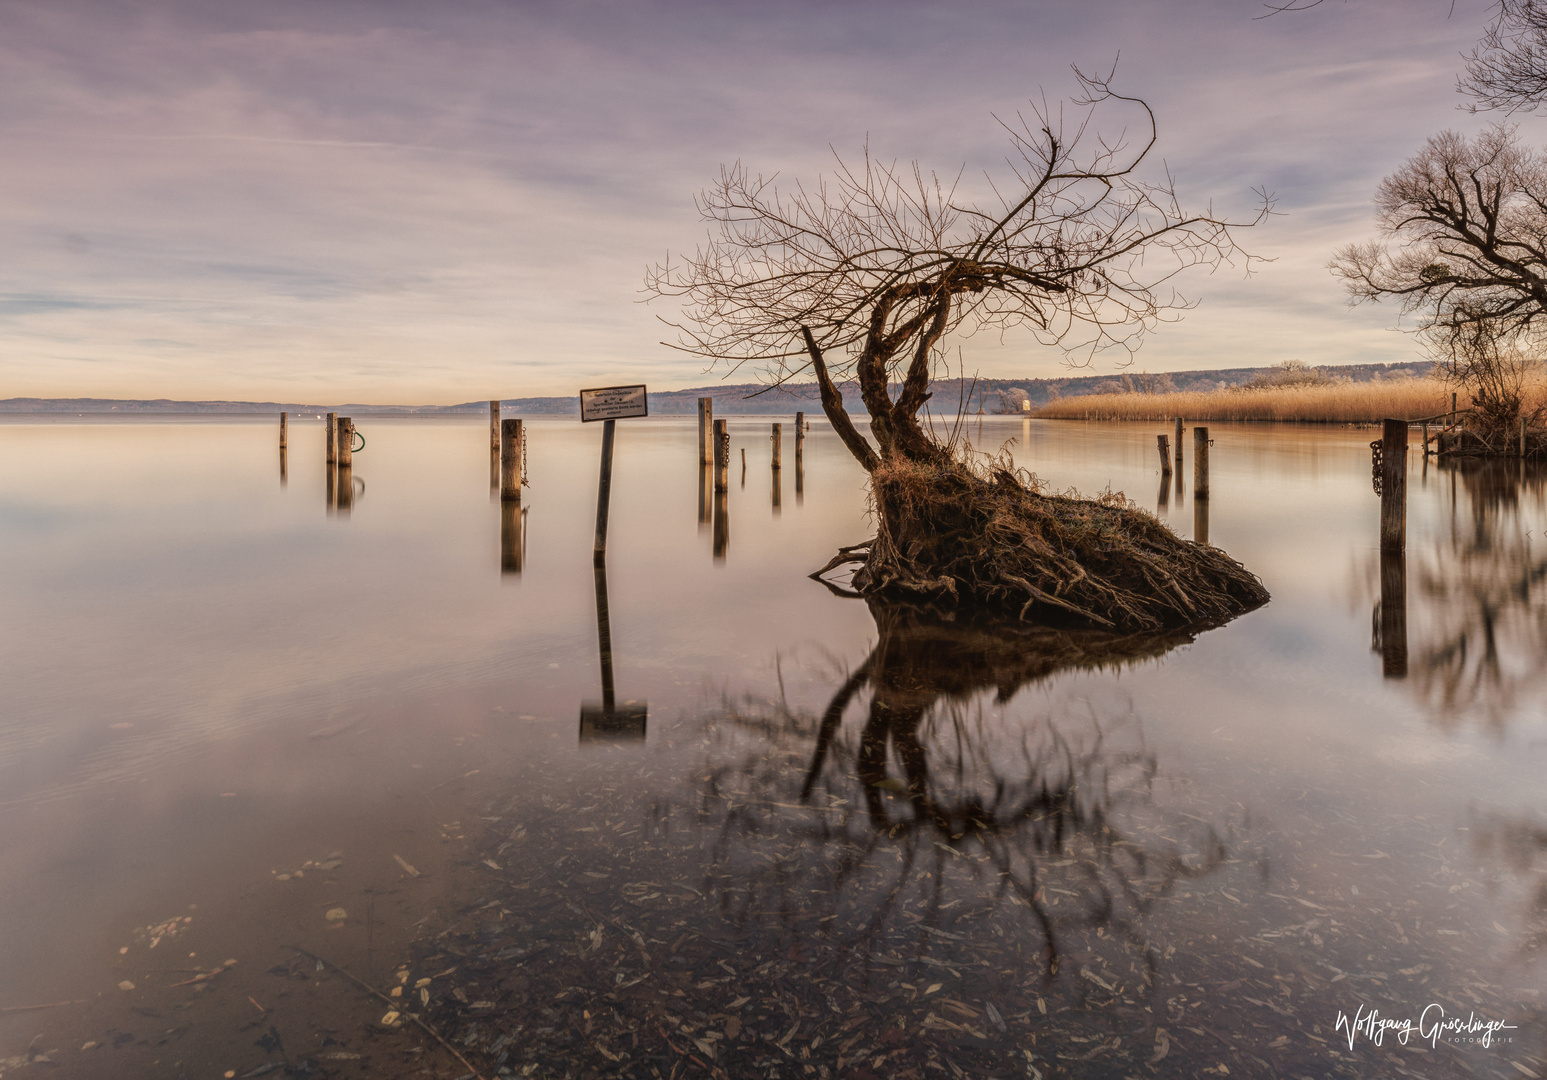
[609, 404]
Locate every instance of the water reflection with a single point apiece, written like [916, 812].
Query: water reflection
[284, 467]
[494, 474]
[777, 484]
[1470, 628]
[332, 486]
[722, 524]
[705, 495]
[512, 537]
[346, 489]
[1163, 500]
[951, 789]
[607, 721]
[1200, 517]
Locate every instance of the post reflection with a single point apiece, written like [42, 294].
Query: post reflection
[346, 489]
[1163, 500]
[1200, 517]
[800, 475]
[608, 721]
[494, 474]
[1470, 649]
[778, 489]
[332, 487]
[705, 495]
[512, 537]
[1393, 614]
[722, 525]
[284, 467]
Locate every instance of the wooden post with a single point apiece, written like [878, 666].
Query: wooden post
[722, 453]
[512, 442]
[332, 439]
[743, 466]
[1522, 436]
[705, 495]
[346, 442]
[778, 445]
[1163, 500]
[494, 425]
[1452, 408]
[1179, 448]
[284, 422]
[1200, 467]
[603, 494]
[284, 467]
[1163, 445]
[512, 540]
[1393, 483]
[706, 431]
[332, 488]
[1200, 518]
[1426, 442]
[800, 430]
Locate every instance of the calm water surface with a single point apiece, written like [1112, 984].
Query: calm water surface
[249, 711]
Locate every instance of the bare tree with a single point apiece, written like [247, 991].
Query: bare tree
[1463, 247]
[864, 274]
[1508, 68]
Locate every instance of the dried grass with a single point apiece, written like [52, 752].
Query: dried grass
[1342, 403]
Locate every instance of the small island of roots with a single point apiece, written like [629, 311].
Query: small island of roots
[993, 545]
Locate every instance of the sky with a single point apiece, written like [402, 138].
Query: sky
[404, 202]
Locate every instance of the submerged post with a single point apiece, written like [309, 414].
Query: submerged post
[1200, 475]
[332, 441]
[346, 442]
[778, 445]
[604, 493]
[1179, 448]
[1163, 445]
[1393, 490]
[494, 425]
[512, 443]
[1200, 519]
[284, 441]
[722, 453]
[705, 430]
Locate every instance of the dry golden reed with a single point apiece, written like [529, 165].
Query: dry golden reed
[1344, 403]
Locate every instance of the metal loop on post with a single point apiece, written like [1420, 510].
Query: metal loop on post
[356, 449]
[1376, 464]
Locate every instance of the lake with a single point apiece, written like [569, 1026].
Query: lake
[303, 776]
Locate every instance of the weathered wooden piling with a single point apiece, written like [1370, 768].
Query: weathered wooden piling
[706, 431]
[1393, 486]
[512, 442]
[778, 446]
[1179, 447]
[1200, 466]
[284, 435]
[705, 493]
[494, 425]
[1426, 443]
[722, 453]
[346, 442]
[1163, 445]
[800, 430]
[332, 439]
[1522, 436]
[1452, 408]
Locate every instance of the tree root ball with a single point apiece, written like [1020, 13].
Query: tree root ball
[989, 541]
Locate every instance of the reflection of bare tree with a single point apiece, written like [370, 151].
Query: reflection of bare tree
[954, 801]
[1483, 596]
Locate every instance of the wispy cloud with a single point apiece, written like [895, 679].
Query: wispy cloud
[452, 201]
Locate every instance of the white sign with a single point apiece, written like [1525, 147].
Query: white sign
[613, 403]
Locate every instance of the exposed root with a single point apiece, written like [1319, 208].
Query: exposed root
[950, 539]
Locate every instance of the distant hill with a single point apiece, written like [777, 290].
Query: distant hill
[734, 399]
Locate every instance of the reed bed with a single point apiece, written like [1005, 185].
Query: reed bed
[1337, 403]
